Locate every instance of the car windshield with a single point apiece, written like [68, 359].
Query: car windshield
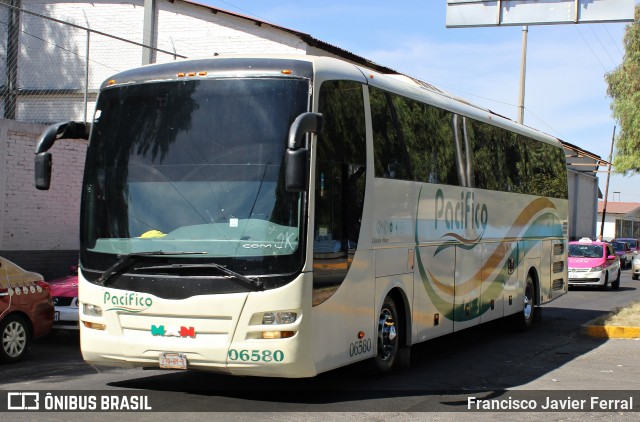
[194, 165]
[632, 243]
[585, 251]
[619, 246]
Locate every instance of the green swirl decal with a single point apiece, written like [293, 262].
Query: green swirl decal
[538, 223]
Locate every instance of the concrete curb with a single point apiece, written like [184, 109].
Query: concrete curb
[610, 331]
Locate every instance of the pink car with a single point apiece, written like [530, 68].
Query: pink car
[65, 299]
[593, 263]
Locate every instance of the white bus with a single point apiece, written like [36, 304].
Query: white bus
[288, 215]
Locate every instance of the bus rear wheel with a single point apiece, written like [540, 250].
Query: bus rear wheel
[523, 320]
[389, 330]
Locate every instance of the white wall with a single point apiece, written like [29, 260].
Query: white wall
[32, 219]
[609, 226]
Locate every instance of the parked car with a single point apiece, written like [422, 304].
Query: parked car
[634, 244]
[593, 264]
[26, 310]
[635, 267]
[624, 253]
[65, 299]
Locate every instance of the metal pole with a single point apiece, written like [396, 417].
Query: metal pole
[523, 74]
[86, 77]
[13, 51]
[606, 189]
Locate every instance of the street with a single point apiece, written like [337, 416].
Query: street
[483, 359]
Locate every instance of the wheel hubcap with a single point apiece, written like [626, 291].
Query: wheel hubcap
[528, 304]
[387, 334]
[14, 339]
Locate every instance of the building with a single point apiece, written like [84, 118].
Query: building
[621, 219]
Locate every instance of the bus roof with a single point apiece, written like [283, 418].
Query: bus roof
[324, 67]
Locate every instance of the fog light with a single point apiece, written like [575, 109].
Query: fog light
[94, 325]
[91, 310]
[277, 334]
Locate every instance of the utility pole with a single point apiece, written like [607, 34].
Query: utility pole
[13, 50]
[523, 73]
[606, 189]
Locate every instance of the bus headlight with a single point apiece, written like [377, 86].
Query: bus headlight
[275, 318]
[91, 310]
[271, 318]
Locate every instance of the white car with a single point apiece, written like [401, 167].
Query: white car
[635, 267]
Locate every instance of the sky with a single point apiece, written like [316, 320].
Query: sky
[565, 89]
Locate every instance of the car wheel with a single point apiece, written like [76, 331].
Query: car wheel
[606, 282]
[635, 276]
[15, 337]
[389, 330]
[615, 284]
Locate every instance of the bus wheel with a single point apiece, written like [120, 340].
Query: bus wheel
[14, 335]
[388, 337]
[524, 320]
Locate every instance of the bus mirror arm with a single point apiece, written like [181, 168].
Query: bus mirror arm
[296, 158]
[42, 161]
[303, 124]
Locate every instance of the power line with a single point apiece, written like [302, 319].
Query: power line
[588, 45]
[603, 46]
[613, 41]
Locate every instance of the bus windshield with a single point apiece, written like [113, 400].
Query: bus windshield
[194, 165]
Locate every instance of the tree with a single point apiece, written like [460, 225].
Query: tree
[624, 89]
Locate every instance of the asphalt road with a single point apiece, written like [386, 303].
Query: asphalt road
[485, 361]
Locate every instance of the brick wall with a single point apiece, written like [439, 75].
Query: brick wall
[39, 230]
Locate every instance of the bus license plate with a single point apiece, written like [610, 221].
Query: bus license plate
[173, 361]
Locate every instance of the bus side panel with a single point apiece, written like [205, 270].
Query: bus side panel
[466, 311]
[499, 269]
[546, 263]
[338, 320]
[434, 292]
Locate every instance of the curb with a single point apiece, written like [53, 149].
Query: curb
[611, 331]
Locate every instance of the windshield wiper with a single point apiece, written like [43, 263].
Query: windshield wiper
[254, 282]
[130, 259]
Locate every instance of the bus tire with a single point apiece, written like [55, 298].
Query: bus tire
[15, 338]
[388, 337]
[523, 320]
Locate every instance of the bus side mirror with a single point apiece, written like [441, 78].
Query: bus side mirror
[296, 173]
[296, 157]
[42, 161]
[43, 170]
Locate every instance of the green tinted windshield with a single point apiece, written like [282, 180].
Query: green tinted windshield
[194, 166]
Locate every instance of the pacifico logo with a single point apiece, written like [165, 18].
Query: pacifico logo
[129, 302]
[460, 215]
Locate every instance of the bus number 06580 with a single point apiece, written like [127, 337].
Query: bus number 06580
[256, 355]
[360, 347]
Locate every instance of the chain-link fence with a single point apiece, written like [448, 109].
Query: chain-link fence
[51, 70]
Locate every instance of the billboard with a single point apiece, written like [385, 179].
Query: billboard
[465, 13]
